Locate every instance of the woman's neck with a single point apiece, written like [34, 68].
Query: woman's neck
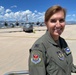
[55, 38]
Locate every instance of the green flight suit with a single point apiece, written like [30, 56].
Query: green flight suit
[48, 58]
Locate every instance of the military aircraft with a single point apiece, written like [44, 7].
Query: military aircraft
[28, 27]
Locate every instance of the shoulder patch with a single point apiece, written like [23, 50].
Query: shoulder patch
[36, 58]
[67, 51]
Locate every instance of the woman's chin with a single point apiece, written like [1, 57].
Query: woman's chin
[57, 34]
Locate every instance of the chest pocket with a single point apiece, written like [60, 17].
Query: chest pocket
[57, 56]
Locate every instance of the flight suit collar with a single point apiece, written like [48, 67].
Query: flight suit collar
[50, 39]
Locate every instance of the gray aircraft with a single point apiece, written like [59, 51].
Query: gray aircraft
[28, 27]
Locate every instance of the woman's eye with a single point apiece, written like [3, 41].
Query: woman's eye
[61, 20]
[53, 20]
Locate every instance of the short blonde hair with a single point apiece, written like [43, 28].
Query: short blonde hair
[52, 10]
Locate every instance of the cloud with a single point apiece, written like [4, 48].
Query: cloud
[35, 11]
[74, 15]
[68, 15]
[1, 10]
[71, 17]
[14, 6]
[8, 11]
[9, 15]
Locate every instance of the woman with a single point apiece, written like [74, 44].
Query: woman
[50, 54]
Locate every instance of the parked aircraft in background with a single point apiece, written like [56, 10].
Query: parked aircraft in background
[28, 27]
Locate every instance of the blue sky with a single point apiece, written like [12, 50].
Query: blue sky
[35, 9]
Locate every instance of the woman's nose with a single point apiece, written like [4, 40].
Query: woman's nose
[58, 23]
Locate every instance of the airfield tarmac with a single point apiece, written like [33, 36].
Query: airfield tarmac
[15, 45]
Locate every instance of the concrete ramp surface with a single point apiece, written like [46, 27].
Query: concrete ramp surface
[14, 47]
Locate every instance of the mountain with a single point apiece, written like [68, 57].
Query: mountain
[70, 22]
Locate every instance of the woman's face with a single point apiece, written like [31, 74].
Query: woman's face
[56, 24]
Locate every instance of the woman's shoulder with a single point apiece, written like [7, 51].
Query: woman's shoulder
[39, 44]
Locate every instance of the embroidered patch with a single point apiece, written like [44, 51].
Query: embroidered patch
[67, 51]
[35, 59]
[60, 55]
[36, 45]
